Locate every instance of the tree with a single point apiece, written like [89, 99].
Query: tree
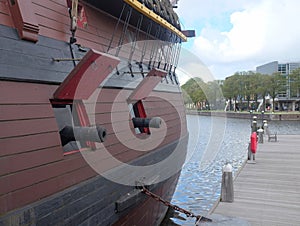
[227, 90]
[295, 83]
[193, 91]
[214, 95]
[247, 85]
[276, 86]
[233, 88]
[263, 88]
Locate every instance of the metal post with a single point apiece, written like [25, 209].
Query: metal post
[260, 135]
[254, 125]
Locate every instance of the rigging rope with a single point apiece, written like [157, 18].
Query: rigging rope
[160, 51]
[125, 27]
[154, 46]
[176, 60]
[133, 43]
[116, 27]
[144, 49]
[172, 56]
[149, 28]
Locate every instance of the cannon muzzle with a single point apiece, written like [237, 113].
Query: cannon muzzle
[154, 122]
[94, 133]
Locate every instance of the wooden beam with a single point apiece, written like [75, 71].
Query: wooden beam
[86, 76]
[147, 85]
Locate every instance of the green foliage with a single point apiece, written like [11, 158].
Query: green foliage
[295, 83]
[203, 95]
[240, 87]
[193, 91]
[277, 84]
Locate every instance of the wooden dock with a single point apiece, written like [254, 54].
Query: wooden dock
[268, 192]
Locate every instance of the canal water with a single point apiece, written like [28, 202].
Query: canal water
[213, 142]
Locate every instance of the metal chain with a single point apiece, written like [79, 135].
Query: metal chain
[174, 207]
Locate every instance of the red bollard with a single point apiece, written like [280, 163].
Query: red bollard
[252, 148]
[253, 139]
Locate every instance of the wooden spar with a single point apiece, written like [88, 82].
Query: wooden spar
[153, 16]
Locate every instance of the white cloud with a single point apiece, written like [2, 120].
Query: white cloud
[261, 31]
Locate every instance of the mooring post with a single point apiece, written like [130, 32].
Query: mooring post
[254, 125]
[260, 132]
[265, 126]
[227, 184]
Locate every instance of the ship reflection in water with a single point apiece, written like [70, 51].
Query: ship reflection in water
[199, 188]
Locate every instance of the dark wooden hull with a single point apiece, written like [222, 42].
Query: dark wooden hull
[39, 183]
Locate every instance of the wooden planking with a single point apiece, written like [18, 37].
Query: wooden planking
[100, 108]
[14, 163]
[27, 93]
[121, 124]
[40, 190]
[267, 193]
[112, 137]
[27, 127]
[55, 34]
[53, 24]
[30, 136]
[32, 176]
[106, 95]
[54, 21]
[124, 154]
[57, 8]
[22, 195]
[16, 145]
[29, 111]
[24, 60]
[99, 31]
[44, 50]
[154, 107]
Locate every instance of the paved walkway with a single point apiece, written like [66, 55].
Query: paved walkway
[268, 192]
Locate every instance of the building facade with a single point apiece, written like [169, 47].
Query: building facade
[285, 99]
[275, 66]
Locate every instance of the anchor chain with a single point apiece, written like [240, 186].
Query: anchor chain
[175, 207]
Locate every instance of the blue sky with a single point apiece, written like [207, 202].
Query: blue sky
[238, 35]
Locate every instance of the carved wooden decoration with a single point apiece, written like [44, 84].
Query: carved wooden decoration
[24, 19]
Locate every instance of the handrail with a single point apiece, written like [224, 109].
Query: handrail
[153, 16]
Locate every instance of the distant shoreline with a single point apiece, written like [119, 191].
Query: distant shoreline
[278, 116]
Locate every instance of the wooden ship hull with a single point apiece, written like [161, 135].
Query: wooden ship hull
[69, 70]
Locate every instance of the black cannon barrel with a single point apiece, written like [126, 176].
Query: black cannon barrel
[93, 133]
[154, 122]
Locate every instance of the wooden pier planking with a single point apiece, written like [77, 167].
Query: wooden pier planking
[268, 192]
